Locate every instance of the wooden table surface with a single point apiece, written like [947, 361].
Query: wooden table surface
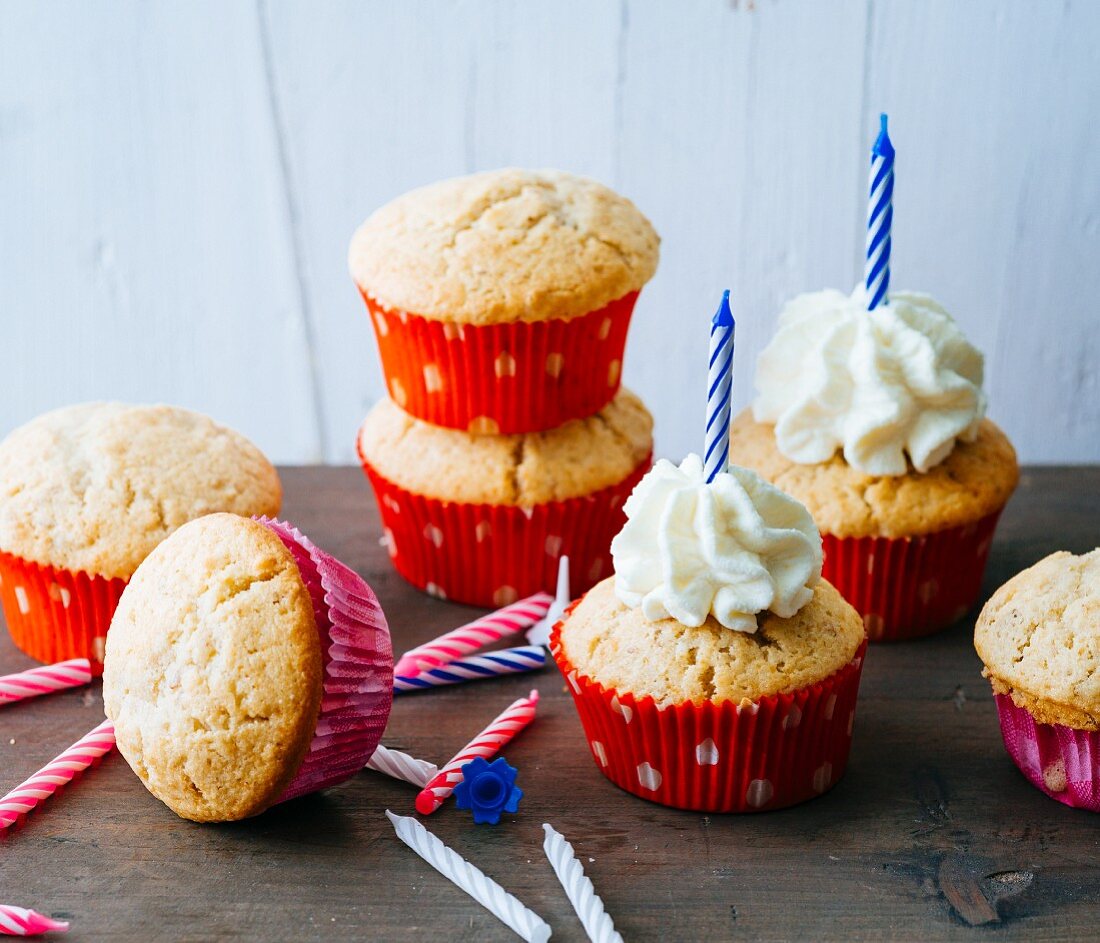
[932, 834]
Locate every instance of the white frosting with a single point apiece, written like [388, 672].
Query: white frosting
[899, 380]
[731, 548]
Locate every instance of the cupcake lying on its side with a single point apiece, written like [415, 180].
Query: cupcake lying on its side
[1039, 637]
[86, 492]
[716, 670]
[875, 421]
[484, 519]
[245, 667]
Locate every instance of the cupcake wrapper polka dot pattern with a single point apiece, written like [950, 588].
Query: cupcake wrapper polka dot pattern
[776, 752]
[54, 614]
[490, 555]
[1061, 761]
[502, 378]
[358, 667]
[907, 587]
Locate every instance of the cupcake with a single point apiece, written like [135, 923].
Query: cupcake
[875, 420]
[86, 492]
[484, 519]
[501, 301]
[716, 670]
[245, 667]
[1039, 637]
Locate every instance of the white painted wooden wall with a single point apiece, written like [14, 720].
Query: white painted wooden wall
[178, 183]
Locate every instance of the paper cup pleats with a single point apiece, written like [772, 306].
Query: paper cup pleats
[55, 614]
[521, 376]
[905, 587]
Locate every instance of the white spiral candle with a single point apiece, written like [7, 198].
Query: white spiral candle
[402, 766]
[448, 862]
[578, 887]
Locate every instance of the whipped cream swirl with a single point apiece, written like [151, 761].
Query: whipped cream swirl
[900, 381]
[731, 548]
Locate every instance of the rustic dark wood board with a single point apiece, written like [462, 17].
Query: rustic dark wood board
[932, 835]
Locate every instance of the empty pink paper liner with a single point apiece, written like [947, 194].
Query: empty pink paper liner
[358, 666]
[905, 587]
[720, 757]
[1061, 761]
[522, 376]
[491, 555]
[55, 614]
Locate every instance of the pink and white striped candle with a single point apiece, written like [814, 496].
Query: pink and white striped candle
[474, 635]
[19, 921]
[45, 680]
[55, 774]
[486, 744]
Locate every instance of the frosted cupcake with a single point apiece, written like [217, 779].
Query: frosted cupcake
[875, 420]
[1039, 637]
[501, 301]
[484, 519]
[86, 492]
[245, 667]
[716, 670]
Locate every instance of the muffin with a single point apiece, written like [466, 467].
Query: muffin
[875, 420]
[484, 519]
[1039, 637]
[501, 301]
[716, 670]
[86, 492]
[245, 667]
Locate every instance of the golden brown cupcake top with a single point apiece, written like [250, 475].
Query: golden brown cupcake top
[616, 646]
[1039, 636]
[975, 480]
[507, 245]
[212, 675]
[97, 486]
[577, 458]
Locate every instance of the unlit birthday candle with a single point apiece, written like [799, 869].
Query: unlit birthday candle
[486, 744]
[539, 633]
[477, 634]
[55, 774]
[578, 887]
[719, 387]
[19, 921]
[476, 668]
[45, 680]
[880, 216]
[402, 766]
[448, 862]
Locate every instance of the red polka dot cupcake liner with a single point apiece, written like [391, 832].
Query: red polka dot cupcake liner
[491, 555]
[906, 587]
[502, 378]
[357, 659]
[1061, 761]
[770, 753]
[55, 614]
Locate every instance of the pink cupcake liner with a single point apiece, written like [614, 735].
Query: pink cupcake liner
[1061, 761]
[521, 376]
[358, 666]
[906, 587]
[54, 614]
[774, 752]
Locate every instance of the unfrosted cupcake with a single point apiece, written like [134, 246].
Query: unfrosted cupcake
[245, 667]
[875, 420]
[484, 519]
[501, 301]
[86, 492]
[1039, 637]
[716, 670]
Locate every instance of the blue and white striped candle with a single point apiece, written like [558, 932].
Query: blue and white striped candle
[880, 216]
[719, 386]
[475, 668]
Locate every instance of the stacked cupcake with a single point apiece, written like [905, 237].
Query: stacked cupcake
[501, 303]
